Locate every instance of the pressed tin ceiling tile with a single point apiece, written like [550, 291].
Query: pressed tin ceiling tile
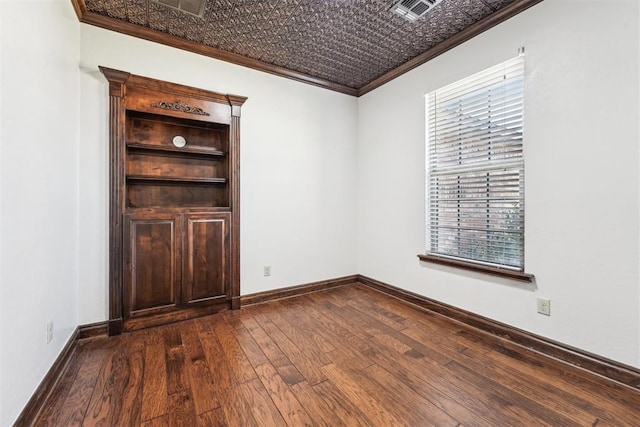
[95, 6]
[497, 4]
[137, 12]
[345, 42]
[476, 9]
[116, 8]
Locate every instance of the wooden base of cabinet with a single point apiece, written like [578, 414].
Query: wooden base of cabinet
[182, 314]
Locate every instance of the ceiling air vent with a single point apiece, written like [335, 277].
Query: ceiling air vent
[194, 7]
[414, 9]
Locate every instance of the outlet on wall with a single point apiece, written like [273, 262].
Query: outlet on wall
[267, 270]
[49, 331]
[544, 306]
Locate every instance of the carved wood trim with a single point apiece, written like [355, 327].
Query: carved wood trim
[180, 106]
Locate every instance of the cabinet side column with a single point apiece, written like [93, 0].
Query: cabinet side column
[117, 88]
[236, 103]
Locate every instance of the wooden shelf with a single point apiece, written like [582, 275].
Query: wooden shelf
[182, 209]
[184, 150]
[167, 179]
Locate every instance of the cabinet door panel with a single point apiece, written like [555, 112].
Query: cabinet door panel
[152, 263]
[207, 257]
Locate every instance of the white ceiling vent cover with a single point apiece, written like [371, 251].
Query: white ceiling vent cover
[414, 9]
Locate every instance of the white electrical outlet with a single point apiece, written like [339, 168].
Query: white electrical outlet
[49, 331]
[544, 306]
[267, 270]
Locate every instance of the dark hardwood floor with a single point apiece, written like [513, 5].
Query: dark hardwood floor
[348, 356]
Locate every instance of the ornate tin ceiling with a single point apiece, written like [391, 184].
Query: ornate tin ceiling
[346, 45]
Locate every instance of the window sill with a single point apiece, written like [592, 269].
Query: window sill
[494, 271]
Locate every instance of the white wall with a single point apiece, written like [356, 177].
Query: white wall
[39, 48]
[582, 177]
[314, 203]
[298, 180]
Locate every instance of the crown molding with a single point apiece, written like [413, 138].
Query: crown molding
[145, 33]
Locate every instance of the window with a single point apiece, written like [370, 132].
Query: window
[475, 170]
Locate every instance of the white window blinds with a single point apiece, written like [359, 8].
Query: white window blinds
[475, 176]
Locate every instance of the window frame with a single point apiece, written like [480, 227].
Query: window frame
[488, 263]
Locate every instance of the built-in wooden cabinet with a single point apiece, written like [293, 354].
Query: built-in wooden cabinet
[174, 201]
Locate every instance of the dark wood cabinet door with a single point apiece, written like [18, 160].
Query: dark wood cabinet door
[152, 263]
[207, 258]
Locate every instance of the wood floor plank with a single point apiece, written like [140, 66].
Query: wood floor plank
[393, 340]
[304, 361]
[295, 334]
[177, 378]
[614, 397]
[326, 320]
[106, 401]
[205, 392]
[251, 348]
[304, 329]
[348, 356]
[333, 312]
[534, 388]
[236, 408]
[154, 390]
[240, 366]
[182, 410]
[292, 412]
[213, 418]
[423, 403]
[264, 410]
[540, 384]
[381, 314]
[300, 316]
[374, 410]
[234, 318]
[407, 406]
[318, 409]
[451, 396]
[290, 374]
[68, 405]
[161, 421]
[132, 393]
[269, 348]
[527, 410]
[342, 409]
[609, 408]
